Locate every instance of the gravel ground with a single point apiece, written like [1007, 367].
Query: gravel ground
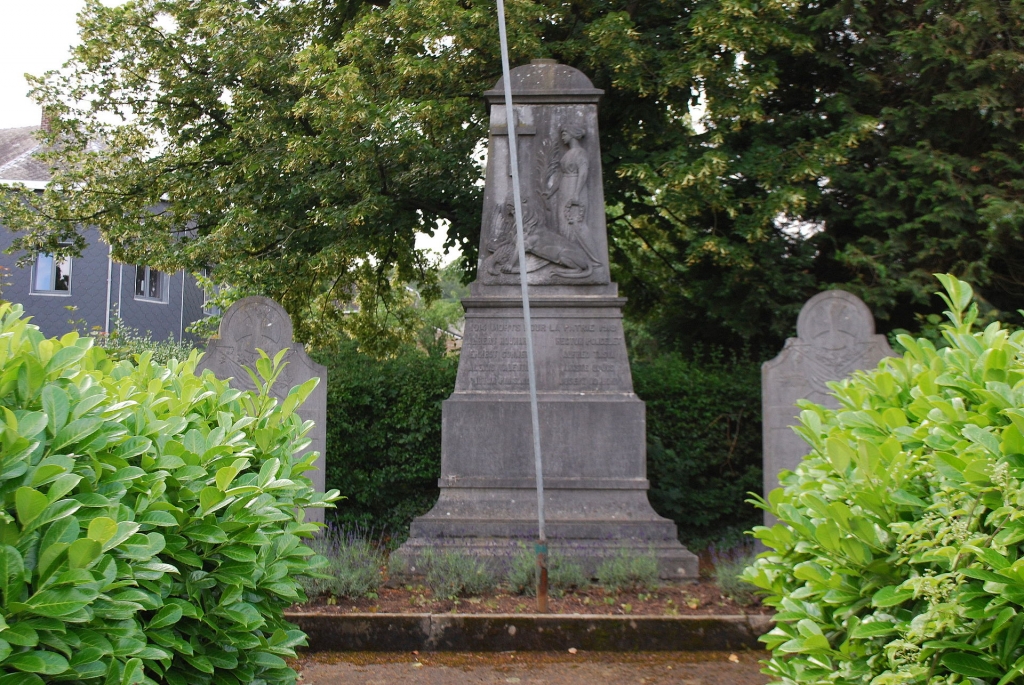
[583, 668]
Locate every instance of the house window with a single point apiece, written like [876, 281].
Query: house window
[52, 275]
[150, 284]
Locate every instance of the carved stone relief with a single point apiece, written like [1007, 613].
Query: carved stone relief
[835, 337]
[563, 217]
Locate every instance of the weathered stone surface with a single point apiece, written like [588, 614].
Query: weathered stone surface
[527, 632]
[593, 434]
[260, 323]
[835, 337]
[560, 177]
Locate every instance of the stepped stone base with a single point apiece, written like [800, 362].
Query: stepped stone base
[593, 441]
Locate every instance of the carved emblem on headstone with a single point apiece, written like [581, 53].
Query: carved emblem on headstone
[835, 337]
[260, 323]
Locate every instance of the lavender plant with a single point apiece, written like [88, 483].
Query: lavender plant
[354, 563]
[564, 574]
[728, 571]
[451, 573]
[629, 570]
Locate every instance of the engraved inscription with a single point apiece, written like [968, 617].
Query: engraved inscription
[571, 355]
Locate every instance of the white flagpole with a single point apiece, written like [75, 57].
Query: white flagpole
[542, 599]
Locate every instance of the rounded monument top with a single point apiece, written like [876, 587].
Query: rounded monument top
[545, 81]
[259, 321]
[835, 318]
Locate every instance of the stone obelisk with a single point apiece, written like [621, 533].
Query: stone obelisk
[592, 424]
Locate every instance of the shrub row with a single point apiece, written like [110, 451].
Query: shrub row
[703, 442]
[703, 420]
[384, 434]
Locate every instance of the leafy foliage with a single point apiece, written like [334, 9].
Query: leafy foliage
[897, 555]
[703, 441]
[125, 342]
[754, 152]
[384, 434]
[284, 144]
[148, 528]
[867, 145]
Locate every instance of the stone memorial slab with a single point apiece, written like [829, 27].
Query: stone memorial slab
[593, 432]
[260, 323]
[835, 337]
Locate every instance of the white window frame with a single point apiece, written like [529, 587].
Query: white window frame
[52, 291]
[163, 282]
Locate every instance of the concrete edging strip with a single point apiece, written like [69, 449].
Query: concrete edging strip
[330, 632]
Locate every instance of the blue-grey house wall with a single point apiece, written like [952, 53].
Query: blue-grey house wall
[96, 283]
[160, 319]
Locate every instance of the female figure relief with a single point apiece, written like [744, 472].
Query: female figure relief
[569, 187]
[557, 236]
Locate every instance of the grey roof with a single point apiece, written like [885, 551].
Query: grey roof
[17, 161]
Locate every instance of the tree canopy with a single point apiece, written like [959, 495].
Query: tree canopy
[881, 143]
[754, 152]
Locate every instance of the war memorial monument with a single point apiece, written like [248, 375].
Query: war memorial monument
[593, 432]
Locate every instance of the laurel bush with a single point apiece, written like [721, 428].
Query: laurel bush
[899, 553]
[150, 520]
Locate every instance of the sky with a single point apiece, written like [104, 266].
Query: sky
[36, 38]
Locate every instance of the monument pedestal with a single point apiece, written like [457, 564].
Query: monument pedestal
[593, 440]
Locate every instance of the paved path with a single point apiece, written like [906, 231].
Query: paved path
[594, 668]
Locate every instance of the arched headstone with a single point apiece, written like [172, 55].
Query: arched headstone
[260, 323]
[835, 337]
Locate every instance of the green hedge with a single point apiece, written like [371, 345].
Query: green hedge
[384, 434]
[703, 442]
[703, 422]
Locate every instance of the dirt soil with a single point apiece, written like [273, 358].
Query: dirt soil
[670, 599]
[550, 668]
